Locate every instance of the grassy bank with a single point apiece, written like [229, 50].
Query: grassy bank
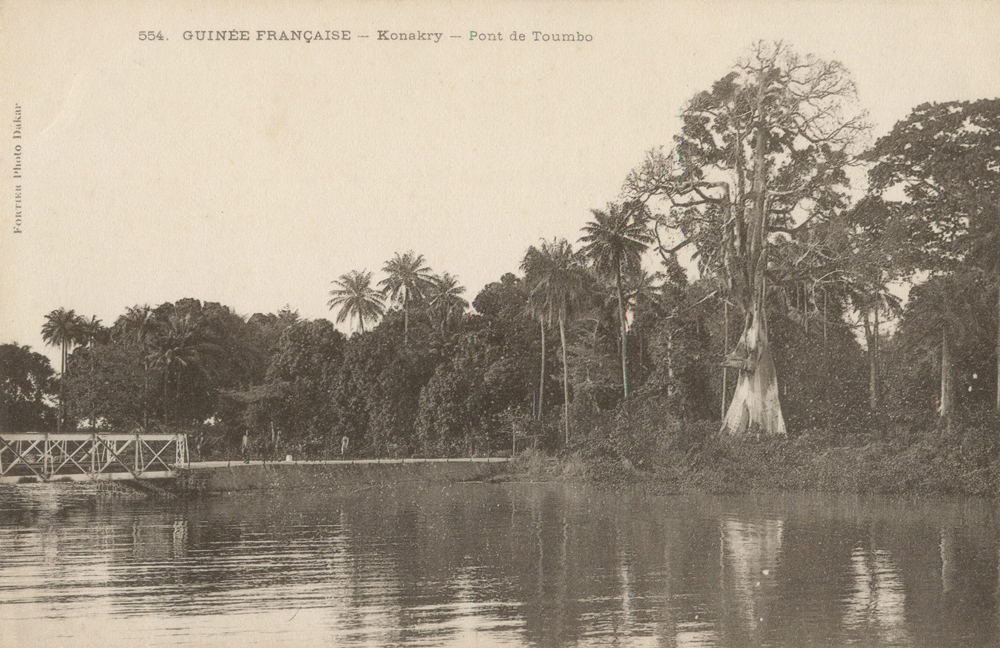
[652, 448]
[282, 476]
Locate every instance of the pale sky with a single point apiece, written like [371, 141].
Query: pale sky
[254, 173]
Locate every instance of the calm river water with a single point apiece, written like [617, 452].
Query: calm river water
[495, 565]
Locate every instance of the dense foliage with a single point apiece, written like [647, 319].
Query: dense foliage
[26, 382]
[613, 346]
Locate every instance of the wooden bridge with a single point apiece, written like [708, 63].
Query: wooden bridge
[33, 457]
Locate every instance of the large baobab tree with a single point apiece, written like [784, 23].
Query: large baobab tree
[760, 155]
[354, 295]
[614, 242]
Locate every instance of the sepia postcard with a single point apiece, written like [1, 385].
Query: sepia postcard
[469, 323]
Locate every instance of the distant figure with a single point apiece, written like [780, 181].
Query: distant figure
[245, 447]
[344, 442]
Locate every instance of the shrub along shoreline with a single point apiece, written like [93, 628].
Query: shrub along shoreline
[722, 465]
[653, 449]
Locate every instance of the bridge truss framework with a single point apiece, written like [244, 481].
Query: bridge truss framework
[33, 457]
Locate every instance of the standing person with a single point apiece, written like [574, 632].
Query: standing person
[344, 442]
[245, 447]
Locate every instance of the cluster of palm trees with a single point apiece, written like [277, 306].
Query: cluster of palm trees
[558, 277]
[564, 286]
[66, 329]
[169, 343]
[172, 345]
[408, 282]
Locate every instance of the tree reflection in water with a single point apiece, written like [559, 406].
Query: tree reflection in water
[876, 606]
[538, 565]
[750, 559]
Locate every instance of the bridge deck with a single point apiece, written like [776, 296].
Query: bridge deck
[195, 465]
[75, 457]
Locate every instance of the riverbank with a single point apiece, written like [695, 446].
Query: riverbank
[670, 460]
[697, 461]
[963, 463]
[228, 477]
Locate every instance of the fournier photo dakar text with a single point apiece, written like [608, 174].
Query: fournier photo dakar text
[477, 324]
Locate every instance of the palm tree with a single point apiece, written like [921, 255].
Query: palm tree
[643, 298]
[408, 279]
[137, 326]
[91, 331]
[180, 345]
[534, 266]
[62, 328]
[614, 243]
[872, 296]
[557, 282]
[354, 294]
[445, 299]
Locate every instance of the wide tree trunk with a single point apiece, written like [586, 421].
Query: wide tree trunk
[541, 379]
[755, 408]
[562, 338]
[624, 332]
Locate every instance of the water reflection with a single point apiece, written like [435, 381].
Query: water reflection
[749, 553]
[876, 607]
[539, 565]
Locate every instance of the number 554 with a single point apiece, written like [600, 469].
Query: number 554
[150, 35]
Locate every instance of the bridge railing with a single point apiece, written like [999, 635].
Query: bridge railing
[28, 457]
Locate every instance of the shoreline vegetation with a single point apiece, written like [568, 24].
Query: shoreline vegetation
[929, 466]
[733, 320]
